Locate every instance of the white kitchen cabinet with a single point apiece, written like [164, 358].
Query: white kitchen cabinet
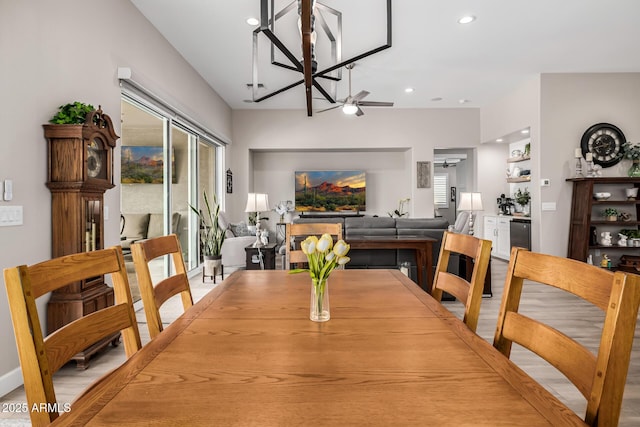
[496, 229]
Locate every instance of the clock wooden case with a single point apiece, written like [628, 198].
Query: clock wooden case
[80, 170]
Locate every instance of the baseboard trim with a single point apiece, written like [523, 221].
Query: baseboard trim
[10, 381]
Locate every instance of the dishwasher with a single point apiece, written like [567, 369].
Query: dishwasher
[520, 233]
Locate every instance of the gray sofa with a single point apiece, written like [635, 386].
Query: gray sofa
[385, 226]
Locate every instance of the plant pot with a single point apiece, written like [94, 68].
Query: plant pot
[634, 170]
[612, 218]
[212, 264]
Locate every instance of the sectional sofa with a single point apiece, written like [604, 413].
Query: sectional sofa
[386, 226]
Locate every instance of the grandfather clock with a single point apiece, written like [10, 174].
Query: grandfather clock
[80, 170]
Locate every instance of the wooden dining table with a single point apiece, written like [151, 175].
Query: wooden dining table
[247, 354]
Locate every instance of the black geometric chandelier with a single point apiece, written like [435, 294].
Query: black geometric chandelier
[312, 16]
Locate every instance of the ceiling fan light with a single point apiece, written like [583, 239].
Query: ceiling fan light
[350, 109]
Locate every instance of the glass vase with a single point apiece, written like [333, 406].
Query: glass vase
[319, 311]
[634, 170]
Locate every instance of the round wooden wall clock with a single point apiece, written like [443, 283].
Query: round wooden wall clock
[604, 141]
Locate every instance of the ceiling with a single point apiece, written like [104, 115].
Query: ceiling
[510, 42]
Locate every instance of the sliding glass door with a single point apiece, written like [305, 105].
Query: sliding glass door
[165, 168]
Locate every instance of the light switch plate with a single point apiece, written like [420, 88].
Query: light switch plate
[548, 206]
[10, 215]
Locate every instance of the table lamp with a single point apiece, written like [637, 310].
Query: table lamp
[470, 202]
[257, 202]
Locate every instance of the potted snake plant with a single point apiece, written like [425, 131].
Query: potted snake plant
[211, 235]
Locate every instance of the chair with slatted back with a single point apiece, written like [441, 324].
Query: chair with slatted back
[468, 292]
[41, 357]
[600, 377]
[295, 233]
[155, 294]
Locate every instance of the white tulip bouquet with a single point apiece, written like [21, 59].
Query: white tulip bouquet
[323, 257]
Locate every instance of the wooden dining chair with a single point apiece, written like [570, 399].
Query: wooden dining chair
[600, 377]
[41, 357]
[295, 233]
[468, 292]
[155, 294]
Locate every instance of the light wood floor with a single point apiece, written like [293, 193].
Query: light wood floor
[579, 321]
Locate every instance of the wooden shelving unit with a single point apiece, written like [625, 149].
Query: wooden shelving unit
[584, 210]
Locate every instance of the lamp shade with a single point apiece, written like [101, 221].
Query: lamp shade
[470, 202]
[257, 202]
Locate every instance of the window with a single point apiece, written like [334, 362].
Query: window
[440, 190]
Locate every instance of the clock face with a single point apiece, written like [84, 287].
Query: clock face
[96, 158]
[604, 141]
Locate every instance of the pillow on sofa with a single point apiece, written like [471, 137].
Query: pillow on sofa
[135, 226]
[240, 229]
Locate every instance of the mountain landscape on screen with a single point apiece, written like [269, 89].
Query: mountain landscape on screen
[330, 191]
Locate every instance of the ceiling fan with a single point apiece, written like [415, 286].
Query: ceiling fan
[351, 104]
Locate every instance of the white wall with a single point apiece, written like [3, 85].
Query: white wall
[63, 51]
[363, 142]
[514, 111]
[558, 108]
[570, 104]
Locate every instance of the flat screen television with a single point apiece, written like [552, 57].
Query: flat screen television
[330, 191]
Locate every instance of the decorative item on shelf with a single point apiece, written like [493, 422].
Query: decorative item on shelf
[211, 235]
[630, 263]
[605, 262]
[590, 171]
[523, 198]
[323, 257]
[516, 153]
[399, 213]
[256, 203]
[601, 196]
[631, 193]
[632, 235]
[578, 156]
[631, 151]
[605, 238]
[470, 202]
[622, 240]
[515, 173]
[527, 149]
[624, 216]
[611, 214]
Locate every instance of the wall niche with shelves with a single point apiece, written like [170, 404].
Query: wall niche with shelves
[588, 221]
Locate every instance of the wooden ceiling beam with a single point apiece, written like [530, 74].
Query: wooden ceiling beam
[306, 52]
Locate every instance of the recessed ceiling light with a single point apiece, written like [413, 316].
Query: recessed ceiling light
[466, 19]
[524, 131]
[499, 140]
[463, 101]
[436, 99]
[252, 21]
[409, 90]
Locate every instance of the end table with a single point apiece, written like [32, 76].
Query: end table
[266, 254]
